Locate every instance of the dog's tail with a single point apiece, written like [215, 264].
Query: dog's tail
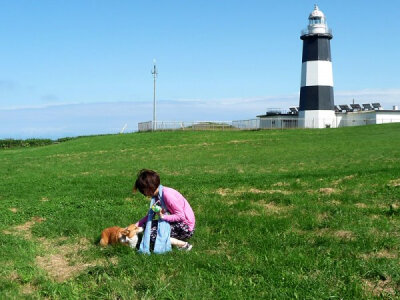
[104, 240]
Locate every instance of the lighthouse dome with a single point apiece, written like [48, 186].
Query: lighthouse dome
[316, 13]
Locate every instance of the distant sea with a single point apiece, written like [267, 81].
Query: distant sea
[73, 120]
[68, 121]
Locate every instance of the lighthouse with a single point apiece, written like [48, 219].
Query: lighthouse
[316, 109]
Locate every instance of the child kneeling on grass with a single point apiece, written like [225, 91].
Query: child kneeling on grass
[181, 217]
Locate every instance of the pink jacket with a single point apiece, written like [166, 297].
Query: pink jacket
[178, 207]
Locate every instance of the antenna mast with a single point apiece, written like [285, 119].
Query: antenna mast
[155, 73]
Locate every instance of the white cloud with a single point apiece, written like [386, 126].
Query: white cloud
[7, 85]
[50, 98]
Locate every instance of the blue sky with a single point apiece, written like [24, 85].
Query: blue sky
[83, 67]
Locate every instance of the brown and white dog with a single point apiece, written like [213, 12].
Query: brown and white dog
[117, 235]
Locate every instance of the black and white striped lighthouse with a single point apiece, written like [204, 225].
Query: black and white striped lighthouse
[316, 108]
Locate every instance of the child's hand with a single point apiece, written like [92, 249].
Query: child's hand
[160, 214]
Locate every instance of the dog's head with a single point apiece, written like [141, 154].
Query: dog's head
[131, 231]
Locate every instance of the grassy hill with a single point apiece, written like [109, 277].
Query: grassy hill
[308, 214]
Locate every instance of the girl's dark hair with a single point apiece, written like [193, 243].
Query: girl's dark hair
[147, 182]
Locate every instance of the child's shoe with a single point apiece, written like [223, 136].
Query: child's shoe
[187, 247]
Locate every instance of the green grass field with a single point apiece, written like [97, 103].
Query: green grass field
[307, 214]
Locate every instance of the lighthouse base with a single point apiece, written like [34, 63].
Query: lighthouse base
[317, 119]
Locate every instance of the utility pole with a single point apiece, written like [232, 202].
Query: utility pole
[154, 72]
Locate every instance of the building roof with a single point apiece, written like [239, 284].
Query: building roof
[278, 115]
